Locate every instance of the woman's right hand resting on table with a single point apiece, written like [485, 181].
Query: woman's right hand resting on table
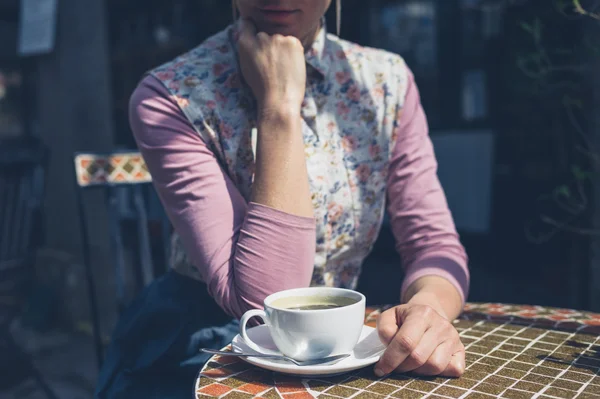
[274, 68]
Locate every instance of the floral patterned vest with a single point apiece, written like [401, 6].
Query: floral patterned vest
[353, 100]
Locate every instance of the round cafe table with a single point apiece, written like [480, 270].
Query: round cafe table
[513, 352]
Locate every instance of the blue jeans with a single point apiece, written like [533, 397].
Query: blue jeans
[154, 350]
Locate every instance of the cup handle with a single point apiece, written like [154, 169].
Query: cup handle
[244, 320]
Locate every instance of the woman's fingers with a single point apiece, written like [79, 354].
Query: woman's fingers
[438, 362]
[430, 357]
[419, 340]
[457, 365]
[404, 341]
[448, 357]
[274, 67]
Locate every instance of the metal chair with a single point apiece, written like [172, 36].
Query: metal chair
[125, 180]
[22, 184]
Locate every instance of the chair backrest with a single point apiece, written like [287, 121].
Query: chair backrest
[131, 204]
[22, 184]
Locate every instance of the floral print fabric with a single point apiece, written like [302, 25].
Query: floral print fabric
[354, 97]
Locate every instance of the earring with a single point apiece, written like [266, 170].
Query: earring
[338, 16]
[234, 10]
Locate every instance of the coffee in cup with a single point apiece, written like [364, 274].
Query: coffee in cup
[310, 323]
[315, 302]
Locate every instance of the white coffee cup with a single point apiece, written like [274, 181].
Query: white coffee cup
[310, 334]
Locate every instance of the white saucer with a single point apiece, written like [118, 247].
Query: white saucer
[367, 352]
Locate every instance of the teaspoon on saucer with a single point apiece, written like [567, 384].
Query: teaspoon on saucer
[323, 361]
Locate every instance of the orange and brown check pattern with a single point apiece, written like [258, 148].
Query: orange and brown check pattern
[513, 352]
[117, 168]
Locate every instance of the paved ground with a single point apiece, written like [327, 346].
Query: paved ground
[66, 362]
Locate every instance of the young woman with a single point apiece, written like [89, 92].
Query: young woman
[275, 148]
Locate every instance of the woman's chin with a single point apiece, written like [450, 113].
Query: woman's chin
[272, 28]
[277, 30]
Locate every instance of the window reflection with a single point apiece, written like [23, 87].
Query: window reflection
[11, 83]
[410, 28]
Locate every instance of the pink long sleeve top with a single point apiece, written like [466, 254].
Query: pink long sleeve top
[367, 147]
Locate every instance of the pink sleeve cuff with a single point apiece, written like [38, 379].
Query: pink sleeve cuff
[281, 218]
[441, 266]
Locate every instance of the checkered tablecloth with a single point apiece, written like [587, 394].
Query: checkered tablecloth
[513, 352]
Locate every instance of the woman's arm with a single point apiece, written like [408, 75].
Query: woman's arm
[275, 69]
[244, 251]
[434, 260]
[419, 334]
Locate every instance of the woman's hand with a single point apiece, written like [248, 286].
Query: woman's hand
[274, 67]
[419, 339]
